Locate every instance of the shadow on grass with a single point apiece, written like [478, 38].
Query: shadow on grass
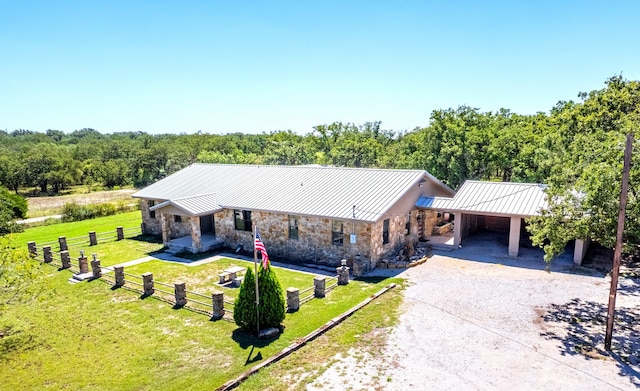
[585, 326]
[14, 340]
[246, 340]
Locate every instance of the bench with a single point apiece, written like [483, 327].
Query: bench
[238, 281]
[225, 277]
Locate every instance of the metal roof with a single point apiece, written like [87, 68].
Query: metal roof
[492, 198]
[305, 190]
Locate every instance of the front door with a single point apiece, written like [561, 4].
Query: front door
[206, 225]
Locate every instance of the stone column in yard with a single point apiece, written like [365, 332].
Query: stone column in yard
[147, 284]
[93, 239]
[120, 233]
[33, 251]
[196, 239]
[82, 263]
[218, 305]
[62, 242]
[293, 299]
[65, 259]
[119, 275]
[319, 284]
[181, 293]
[343, 273]
[95, 267]
[48, 256]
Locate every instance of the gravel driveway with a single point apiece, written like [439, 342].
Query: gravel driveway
[475, 319]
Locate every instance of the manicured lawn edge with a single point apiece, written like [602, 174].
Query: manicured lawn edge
[304, 340]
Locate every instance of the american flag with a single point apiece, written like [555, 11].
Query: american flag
[259, 246]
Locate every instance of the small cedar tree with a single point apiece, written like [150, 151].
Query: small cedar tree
[272, 303]
[244, 307]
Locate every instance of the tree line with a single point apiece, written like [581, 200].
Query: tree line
[575, 148]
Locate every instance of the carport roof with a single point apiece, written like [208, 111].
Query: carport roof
[492, 198]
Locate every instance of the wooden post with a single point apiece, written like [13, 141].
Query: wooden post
[147, 284]
[118, 271]
[617, 254]
[120, 233]
[93, 240]
[180, 290]
[62, 242]
[319, 284]
[293, 299]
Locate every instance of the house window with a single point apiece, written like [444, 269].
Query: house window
[243, 220]
[293, 226]
[407, 225]
[152, 213]
[337, 232]
[177, 218]
[385, 231]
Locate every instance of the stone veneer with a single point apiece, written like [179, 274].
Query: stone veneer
[150, 226]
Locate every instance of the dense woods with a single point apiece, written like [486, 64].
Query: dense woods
[576, 148]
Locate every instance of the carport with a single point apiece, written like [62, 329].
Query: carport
[495, 205]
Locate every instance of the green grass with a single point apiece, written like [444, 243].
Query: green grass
[49, 233]
[204, 279]
[90, 336]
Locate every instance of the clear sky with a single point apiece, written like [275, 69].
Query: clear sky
[260, 66]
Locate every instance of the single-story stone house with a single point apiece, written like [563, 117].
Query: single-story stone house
[307, 213]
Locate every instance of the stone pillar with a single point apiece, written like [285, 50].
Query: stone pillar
[580, 250]
[196, 237]
[514, 236]
[119, 275]
[95, 266]
[46, 252]
[319, 283]
[180, 290]
[457, 229]
[65, 259]
[293, 299]
[147, 284]
[93, 240]
[120, 233]
[82, 263]
[62, 241]
[33, 250]
[218, 305]
[166, 229]
[343, 273]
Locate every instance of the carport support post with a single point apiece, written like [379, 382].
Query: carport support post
[457, 229]
[514, 236]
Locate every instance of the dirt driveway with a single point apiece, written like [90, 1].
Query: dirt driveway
[475, 319]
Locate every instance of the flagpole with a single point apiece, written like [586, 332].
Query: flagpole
[255, 268]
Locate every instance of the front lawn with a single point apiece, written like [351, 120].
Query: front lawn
[88, 335]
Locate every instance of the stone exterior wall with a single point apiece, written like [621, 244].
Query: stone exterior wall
[151, 225]
[401, 242]
[179, 229]
[314, 243]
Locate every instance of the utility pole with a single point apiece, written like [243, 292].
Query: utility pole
[617, 254]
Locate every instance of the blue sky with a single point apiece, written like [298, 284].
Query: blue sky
[252, 67]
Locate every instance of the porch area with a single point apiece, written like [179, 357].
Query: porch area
[207, 242]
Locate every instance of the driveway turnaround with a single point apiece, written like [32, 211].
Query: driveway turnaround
[474, 319]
